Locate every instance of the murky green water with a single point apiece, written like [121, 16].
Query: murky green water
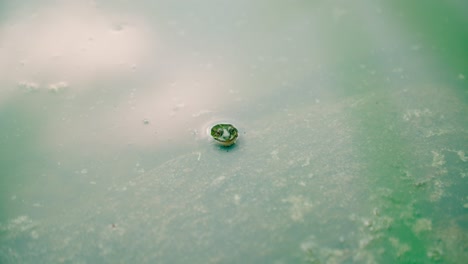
[352, 120]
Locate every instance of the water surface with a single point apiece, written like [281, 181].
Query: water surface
[352, 121]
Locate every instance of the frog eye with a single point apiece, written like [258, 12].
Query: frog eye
[232, 130]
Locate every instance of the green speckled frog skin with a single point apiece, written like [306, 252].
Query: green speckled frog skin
[224, 134]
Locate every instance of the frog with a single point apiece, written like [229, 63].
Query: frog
[224, 134]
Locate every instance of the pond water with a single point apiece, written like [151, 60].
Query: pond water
[352, 131]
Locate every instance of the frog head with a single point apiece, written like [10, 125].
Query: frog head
[225, 134]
